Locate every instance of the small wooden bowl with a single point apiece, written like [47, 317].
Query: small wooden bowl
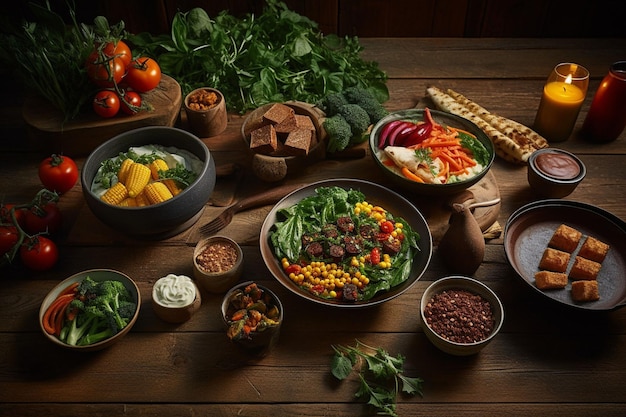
[175, 313]
[217, 282]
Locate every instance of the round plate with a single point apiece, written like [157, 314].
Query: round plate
[529, 229]
[376, 195]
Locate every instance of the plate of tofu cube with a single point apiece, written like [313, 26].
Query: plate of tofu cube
[571, 252]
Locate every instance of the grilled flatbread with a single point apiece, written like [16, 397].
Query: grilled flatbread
[513, 141]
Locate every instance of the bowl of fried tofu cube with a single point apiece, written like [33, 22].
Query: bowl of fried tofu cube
[283, 137]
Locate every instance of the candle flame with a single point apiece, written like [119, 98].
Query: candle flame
[568, 79]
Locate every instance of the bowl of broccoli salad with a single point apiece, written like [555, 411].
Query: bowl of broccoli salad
[90, 310]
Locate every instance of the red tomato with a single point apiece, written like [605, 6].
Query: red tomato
[58, 173]
[105, 71]
[119, 50]
[43, 219]
[106, 103]
[39, 253]
[387, 226]
[130, 102]
[5, 214]
[8, 238]
[143, 74]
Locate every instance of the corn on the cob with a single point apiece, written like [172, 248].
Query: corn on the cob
[156, 166]
[138, 178]
[115, 195]
[122, 174]
[172, 185]
[128, 202]
[141, 200]
[157, 192]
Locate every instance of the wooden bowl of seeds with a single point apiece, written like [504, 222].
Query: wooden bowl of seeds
[218, 263]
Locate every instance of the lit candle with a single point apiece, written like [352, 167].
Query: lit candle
[562, 98]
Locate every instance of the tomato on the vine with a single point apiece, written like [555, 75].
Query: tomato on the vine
[39, 253]
[130, 102]
[5, 214]
[143, 74]
[106, 103]
[8, 238]
[119, 50]
[105, 71]
[58, 173]
[43, 219]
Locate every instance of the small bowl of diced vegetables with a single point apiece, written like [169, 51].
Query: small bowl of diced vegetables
[151, 183]
[90, 310]
[431, 152]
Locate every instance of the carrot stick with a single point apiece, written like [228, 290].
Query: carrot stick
[70, 289]
[453, 164]
[55, 309]
[408, 174]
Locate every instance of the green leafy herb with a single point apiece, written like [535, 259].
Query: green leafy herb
[476, 147]
[276, 56]
[380, 374]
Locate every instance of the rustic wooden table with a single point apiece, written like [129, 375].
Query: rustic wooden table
[548, 359]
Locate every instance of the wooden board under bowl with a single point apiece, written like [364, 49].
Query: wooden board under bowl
[83, 134]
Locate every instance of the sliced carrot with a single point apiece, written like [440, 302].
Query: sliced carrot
[56, 308]
[408, 174]
[71, 289]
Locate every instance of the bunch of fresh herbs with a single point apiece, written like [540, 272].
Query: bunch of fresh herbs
[276, 56]
[380, 374]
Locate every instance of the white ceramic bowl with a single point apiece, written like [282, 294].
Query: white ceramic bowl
[97, 275]
[475, 287]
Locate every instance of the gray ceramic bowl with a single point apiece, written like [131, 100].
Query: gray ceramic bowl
[97, 275]
[475, 287]
[554, 173]
[445, 119]
[161, 220]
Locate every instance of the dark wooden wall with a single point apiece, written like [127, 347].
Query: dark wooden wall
[396, 18]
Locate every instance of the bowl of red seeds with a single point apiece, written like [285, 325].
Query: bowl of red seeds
[460, 315]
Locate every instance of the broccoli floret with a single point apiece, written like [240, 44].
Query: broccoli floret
[356, 117]
[331, 103]
[367, 101]
[339, 133]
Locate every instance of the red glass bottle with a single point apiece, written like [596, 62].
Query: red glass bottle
[606, 119]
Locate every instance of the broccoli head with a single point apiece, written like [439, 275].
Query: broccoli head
[367, 101]
[356, 117]
[339, 133]
[331, 103]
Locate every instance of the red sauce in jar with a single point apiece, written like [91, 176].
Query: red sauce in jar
[557, 165]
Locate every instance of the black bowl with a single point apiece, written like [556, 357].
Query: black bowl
[162, 220]
[445, 119]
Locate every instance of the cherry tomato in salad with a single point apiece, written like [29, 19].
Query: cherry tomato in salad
[143, 74]
[39, 253]
[387, 226]
[106, 103]
[130, 102]
[375, 256]
[58, 173]
[43, 219]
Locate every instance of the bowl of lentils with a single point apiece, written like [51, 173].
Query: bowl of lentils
[460, 315]
[218, 263]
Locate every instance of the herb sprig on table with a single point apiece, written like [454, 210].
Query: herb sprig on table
[276, 56]
[380, 374]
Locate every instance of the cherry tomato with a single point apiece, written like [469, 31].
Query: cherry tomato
[387, 226]
[119, 50]
[43, 219]
[143, 74]
[106, 103]
[8, 238]
[105, 71]
[130, 102]
[39, 253]
[58, 173]
[293, 268]
[5, 214]
[375, 256]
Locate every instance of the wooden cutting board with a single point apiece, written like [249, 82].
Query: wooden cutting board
[80, 136]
